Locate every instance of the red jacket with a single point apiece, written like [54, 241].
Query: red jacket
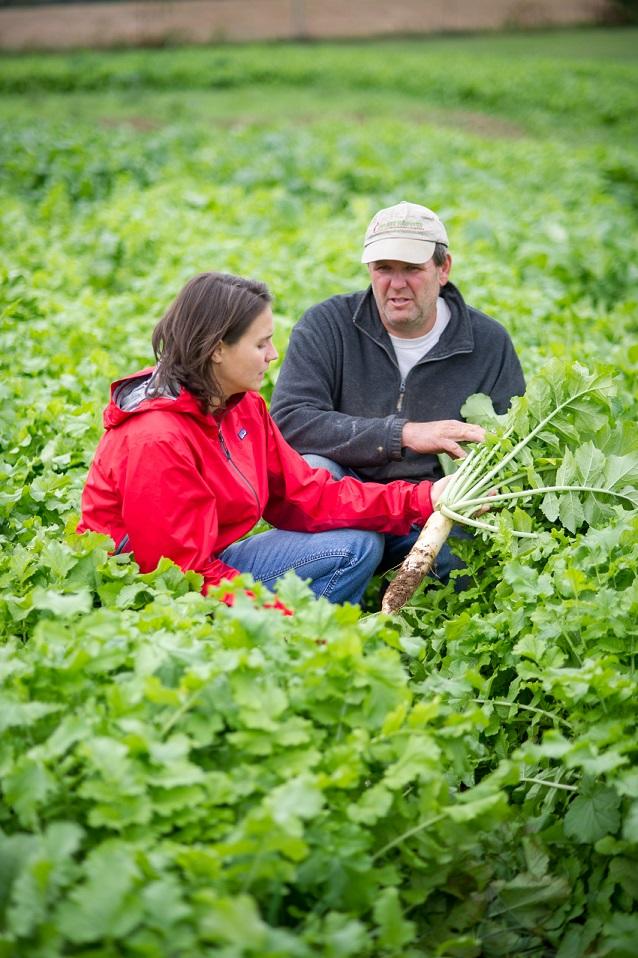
[186, 484]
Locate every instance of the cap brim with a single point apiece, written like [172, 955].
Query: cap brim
[405, 250]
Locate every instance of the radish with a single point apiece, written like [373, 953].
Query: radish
[560, 441]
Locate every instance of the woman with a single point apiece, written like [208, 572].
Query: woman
[191, 460]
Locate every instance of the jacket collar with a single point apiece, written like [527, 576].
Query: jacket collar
[185, 403]
[457, 338]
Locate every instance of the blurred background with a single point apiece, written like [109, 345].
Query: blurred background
[43, 24]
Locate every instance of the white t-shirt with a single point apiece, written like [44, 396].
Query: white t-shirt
[410, 351]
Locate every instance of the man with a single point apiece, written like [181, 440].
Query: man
[373, 382]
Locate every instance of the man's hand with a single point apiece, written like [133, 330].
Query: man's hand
[441, 436]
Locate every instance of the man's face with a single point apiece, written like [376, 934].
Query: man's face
[406, 294]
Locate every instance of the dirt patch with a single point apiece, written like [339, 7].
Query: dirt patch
[142, 123]
[480, 124]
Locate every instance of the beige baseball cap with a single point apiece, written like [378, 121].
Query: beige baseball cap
[406, 232]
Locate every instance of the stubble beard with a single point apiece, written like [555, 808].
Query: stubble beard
[418, 324]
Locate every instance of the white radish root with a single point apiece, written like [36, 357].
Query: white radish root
[417, 563]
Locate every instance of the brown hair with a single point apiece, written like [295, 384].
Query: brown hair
[211, 308]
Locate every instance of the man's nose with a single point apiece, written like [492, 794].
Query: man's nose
[397, 280]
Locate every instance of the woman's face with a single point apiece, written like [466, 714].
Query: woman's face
[242, 365]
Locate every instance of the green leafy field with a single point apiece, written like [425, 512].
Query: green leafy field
[180, 778]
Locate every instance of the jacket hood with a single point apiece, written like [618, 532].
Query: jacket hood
[128, 398]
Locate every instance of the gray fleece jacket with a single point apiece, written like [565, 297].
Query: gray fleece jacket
[340, 394]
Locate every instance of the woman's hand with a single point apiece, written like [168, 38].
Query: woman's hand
[437, 489]
[439, 486]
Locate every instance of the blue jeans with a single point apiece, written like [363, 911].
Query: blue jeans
[339, 563]
[397, 547]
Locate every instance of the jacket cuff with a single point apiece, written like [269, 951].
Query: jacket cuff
[396, 439]
[424, 499]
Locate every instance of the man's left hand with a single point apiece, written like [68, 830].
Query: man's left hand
[443, 435]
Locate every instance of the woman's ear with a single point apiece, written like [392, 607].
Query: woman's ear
[217, 354]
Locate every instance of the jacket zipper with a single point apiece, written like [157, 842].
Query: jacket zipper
[393, 360]
[401, 395]
[230, 459]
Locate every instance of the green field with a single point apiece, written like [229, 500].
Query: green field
[180, 778]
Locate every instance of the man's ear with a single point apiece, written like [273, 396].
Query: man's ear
[444, 271]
